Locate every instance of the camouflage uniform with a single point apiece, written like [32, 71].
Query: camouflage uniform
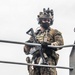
[49, 36]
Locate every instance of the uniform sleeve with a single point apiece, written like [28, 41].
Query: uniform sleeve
[28, 47]
[58, 38]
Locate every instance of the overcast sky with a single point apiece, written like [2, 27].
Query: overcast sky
[17, 16]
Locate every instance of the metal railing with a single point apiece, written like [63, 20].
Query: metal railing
[72, 56]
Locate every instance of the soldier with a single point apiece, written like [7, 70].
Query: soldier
[45, 36]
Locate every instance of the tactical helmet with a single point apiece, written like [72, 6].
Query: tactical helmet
[46, 14]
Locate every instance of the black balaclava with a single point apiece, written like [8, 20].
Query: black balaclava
[45, 25]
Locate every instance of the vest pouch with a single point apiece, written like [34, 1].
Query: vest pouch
[55, 56]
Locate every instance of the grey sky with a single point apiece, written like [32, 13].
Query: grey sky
[17, 16]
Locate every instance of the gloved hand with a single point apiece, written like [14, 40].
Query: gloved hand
[44, 44]
[54, 44]
[28, 59]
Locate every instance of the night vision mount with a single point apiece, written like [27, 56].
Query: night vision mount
[48, 12]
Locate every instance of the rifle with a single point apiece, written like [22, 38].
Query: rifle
[35, 41]
[37, 48]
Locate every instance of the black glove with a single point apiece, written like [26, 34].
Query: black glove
[44, 44]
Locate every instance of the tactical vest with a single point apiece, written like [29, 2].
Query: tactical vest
[46, 36]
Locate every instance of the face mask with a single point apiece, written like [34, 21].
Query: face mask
[45, 25]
